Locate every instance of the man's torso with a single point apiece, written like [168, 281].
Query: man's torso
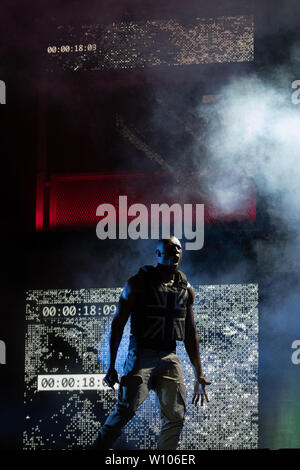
[159, 312]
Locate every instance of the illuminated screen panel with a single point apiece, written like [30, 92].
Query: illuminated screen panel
[66, 402]
[128, 45]
[69, 209]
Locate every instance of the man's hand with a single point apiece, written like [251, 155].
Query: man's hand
[111, 377]
[199, 389]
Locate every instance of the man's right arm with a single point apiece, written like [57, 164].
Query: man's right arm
[117, 327]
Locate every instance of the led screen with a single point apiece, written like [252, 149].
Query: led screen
[66, 355]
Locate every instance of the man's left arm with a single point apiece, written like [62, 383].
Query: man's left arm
[191, 344]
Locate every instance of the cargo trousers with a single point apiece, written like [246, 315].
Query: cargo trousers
[144, 370]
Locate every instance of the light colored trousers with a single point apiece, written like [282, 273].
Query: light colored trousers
[145, 370]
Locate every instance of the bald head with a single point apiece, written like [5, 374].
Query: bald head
[168, 241]
[169, 252]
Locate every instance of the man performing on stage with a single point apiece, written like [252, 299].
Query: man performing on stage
[159, 300]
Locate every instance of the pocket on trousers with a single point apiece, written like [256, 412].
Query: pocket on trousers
[129, 391]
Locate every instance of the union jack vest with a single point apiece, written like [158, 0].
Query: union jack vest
[158, 316]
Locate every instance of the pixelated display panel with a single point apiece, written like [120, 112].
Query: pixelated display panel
[68, 207]
[67, 330]
[128, 45]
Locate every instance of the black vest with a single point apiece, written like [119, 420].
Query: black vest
[158, 317]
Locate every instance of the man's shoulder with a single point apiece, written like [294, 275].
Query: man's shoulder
[137, 280]
[182, 277]
[191, 293]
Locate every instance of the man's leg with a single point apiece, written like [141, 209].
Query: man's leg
[132, 393]
[172, 398]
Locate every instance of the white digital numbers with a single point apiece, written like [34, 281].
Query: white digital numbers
[75, 310]
[46, 383]
[70, 49]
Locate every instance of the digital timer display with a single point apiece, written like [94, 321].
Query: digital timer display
[71, 382]
[67, 354]
[67, 48]
[73, 310]
[139, 44]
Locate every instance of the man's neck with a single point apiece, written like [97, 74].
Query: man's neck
[166, 273]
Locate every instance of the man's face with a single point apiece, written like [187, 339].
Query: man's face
[169, 253]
